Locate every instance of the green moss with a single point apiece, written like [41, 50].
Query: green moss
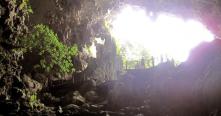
[32, 100]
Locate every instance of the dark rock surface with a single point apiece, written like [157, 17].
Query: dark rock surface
[191, 89]
[186, 90]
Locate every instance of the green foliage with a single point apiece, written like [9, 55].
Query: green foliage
[55, 56]
[131, 64]
[146, 59]
[32, 100]
[118, 47]
[143, 57]
[24, 6]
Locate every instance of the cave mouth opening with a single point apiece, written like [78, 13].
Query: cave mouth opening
[164, 35]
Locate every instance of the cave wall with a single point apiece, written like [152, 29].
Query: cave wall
[12, 21]
[13, 96]
[79, 22]
[107, 62]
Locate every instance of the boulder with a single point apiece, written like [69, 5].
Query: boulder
[41, 78]
[73, 98]
[91, 96]
[49, 100]
[71, 109]
[87, 86]
[31, 84]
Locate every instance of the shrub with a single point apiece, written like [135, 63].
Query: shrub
[55, 57]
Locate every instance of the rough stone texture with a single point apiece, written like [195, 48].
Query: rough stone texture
[12, 27]
[31, 84]
[80, 21]
[75, 21]
[193, 90]
[106, 61]
[190, 89]
[13, 94]
[73, 98]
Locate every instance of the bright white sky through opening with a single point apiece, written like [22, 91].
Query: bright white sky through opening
[167, 35]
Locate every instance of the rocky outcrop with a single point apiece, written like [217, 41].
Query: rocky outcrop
[205, 63]
[12, 21]
[80, 22]
[188, 90]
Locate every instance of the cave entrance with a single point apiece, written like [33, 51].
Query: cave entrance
[142, 34]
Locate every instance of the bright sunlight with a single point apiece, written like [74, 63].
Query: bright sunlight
[168, 35]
